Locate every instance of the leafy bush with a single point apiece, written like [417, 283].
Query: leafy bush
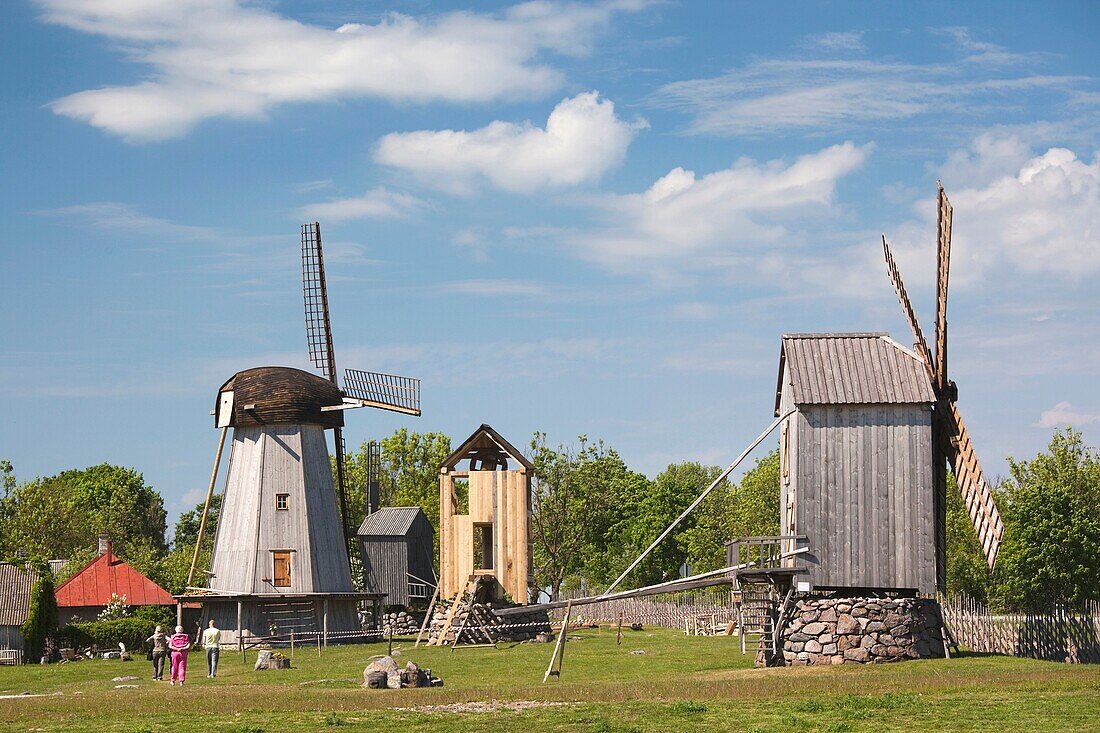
[131, 631]
[160, 615]
[41, 616]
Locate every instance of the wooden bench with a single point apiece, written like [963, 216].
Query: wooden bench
[10, 656]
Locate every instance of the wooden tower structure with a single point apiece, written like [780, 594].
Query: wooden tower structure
[856, 463]
[491, 538]
[864, 453]
[283, 551]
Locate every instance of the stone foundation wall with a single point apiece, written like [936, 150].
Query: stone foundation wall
[533, 622]
[862, 630]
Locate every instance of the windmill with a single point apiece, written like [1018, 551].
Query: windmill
[361, 388]
[281, 556]
[950, 439]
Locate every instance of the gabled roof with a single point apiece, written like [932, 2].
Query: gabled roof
[95, 583]
[851, 368]
[16, 583]
[485, 437]
[391, 521]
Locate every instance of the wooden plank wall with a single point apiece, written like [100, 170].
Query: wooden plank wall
[864, 495]
[385, 568]
[500, 497]
[270, 460]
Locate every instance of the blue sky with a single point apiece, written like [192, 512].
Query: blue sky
[575, 218]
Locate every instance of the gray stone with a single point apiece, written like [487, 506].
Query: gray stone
[863, 621]
[828, 615]
[874, 626]
[900, 630]
[799, 636]
[866, 642]
[814, 629]
[856, 655]
[843, 607]
[797, 646]
[885, 638]
[813, 646]
[389, 667]
[828, 649]
[845, 624]
[859, 611]
[878, 650]
[826, 638]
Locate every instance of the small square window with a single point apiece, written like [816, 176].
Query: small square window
[282, 502]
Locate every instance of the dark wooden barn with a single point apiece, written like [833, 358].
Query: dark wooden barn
[397, 544]
[856, 462]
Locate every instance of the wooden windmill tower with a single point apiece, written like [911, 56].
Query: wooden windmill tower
[281, 553]
[950, 440]
[869, 429]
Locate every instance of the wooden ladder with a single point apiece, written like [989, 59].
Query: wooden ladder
[466, 598]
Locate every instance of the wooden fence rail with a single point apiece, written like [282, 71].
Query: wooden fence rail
[676, 611]
[1061, 635]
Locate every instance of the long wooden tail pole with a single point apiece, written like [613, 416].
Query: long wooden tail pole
[699, 499]
[206, 506]
[559, 647]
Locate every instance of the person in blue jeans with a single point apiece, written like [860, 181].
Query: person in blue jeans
[211, 642]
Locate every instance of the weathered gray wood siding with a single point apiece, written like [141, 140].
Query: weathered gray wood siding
[300, 615]
[421, 550]
[385, 568]
[266, 461]
[861, 482]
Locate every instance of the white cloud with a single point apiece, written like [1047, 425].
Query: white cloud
[735, 217]
[838, 41]
[582, 140]
[822, 93]
[378, 203]
[230, 58]
[1065, 413]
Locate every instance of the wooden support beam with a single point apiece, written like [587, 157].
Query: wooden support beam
[559, 647]
[206, 506]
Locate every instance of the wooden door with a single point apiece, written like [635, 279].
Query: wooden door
[281, 574]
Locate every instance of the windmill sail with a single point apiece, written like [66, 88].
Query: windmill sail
[384, 391]
[950, 438]
[315, 292]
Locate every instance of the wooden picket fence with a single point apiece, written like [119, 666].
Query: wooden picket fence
[1061, 635]
[672, 611]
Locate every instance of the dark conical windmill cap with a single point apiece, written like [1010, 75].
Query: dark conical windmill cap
[271, 395]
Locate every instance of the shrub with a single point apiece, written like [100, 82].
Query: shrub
[131, 631]
[161, 615]
[41, 615]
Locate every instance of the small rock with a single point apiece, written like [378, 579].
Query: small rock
[638, 652]
[126, 687]
[127, 678]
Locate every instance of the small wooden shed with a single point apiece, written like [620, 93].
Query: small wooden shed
[492, 539]
[856, 462]
[397, 545]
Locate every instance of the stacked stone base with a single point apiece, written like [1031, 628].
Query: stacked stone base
[513, 628]
[402, 623]
[862, 631]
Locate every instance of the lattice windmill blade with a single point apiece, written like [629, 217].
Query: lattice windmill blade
[315, 294]
[943, 266]
[975, 490]
[920, 343]
[384, 391]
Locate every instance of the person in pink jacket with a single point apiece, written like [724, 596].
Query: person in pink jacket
[179, 644]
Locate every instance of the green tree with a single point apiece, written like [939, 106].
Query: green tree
[60, 516]
[754, 504]
[409, 474]
[1051, 548]
[41, 615]
[967, 570]
[704, 540]
[186, 530]
[557, 509]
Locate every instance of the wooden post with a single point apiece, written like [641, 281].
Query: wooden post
[559, 647]
[292, 643]
[324, 620]
[179, 613]
[318, 644]
[240, 635]
[206, 507]
[428, 616]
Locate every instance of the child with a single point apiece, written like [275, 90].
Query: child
[180, 643]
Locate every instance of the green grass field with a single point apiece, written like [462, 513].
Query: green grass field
[680, 683]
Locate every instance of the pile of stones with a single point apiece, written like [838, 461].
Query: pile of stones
[528, 625]
[383, 673]
[862, 630]
[402, 623]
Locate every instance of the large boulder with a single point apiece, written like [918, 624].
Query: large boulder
[387, 666]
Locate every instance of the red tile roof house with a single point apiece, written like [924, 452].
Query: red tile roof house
[87, 593]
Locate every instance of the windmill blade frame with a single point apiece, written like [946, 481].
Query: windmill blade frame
[975, 490]
[919, 342]
[944, 215]
[384, 391]
[315, 295]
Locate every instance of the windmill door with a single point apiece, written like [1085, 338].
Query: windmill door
[281, 572]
